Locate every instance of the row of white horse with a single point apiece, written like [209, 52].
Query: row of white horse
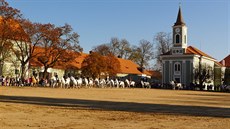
[71, 82]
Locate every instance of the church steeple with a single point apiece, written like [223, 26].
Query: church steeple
[180, 20]
[179, 34]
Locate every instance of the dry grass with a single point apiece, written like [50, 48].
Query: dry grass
[46, 108]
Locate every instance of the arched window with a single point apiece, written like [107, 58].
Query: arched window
[177, 38]
[177, 67]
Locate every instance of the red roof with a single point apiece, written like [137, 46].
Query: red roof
[192, 50]
[77, 63]
[226, 61]
[155, 74]
[127, 66]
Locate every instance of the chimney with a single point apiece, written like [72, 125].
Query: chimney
[223, 62]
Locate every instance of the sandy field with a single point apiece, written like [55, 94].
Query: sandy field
[47, 108]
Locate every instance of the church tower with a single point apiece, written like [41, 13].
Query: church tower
[183, 63]
[179, 35]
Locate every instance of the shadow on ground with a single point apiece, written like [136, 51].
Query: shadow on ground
[120, 106]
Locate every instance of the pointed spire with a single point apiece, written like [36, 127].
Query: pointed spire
[179, 20]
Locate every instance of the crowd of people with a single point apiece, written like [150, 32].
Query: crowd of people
[17, 81]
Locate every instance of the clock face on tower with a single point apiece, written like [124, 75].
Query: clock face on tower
[177, 30]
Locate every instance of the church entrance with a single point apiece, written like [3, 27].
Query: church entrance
[177, 79]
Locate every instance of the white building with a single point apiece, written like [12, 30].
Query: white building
[184, 63]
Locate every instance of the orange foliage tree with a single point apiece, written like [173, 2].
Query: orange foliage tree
[95, 65]
[7, 26]
[113, 65]
[59, 46]
[26, 39]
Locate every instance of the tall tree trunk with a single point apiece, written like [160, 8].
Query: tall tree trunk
[23, 71]
[45, 73]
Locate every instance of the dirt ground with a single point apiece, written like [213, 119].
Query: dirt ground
[47, 108]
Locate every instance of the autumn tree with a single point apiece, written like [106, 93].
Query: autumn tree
[26, 40]
[143, 53]
[112, 65]
[8, 12]
[59, 46]
[163, 42]
[93, 65]
[7, 26]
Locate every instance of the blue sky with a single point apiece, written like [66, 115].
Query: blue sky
[96, 21]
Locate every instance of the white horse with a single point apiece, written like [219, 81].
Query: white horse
[67, 82]
[74, 82]
[102, 83]
[132, 84]
[172, 83]
[179, 86]
[127, 83]
[53, 81]
[122, 84]
[111, 83]
[96, 81]
[86, 82]
[116, 83]
[176, 85]
[79, 82]
[90, 82]
[62, 82]
[145, 84]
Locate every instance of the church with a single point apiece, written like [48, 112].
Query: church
[186, 64]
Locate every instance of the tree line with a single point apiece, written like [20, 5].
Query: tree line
[60, 44]
[142, 54]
